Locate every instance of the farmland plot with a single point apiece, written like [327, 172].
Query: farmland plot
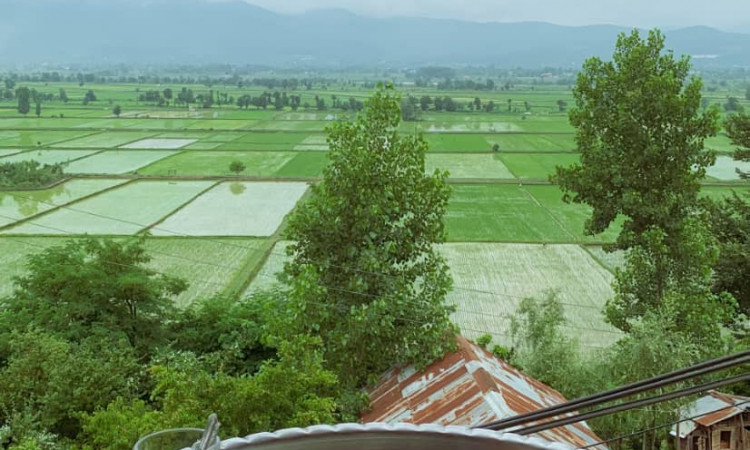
[467, 166]
[483, 127]
[217, 163]
[314, 142]
[207, 264]
[536, 166]
[33, 138]
[160, 144]
[203, 145]
[122, 211]
[49, 156]
[17, 205]
[304, 165]
[235, 209]
[458, 143]
[571, 216]
[117, 162]
[534, 142]
[610, 260]
[726, 168]
[491, 279]
[105, 140]
[499, 213]
[274, 264]
[7, 152]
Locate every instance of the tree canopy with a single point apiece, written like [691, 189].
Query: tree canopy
[365, 275]
[88, 285]
[640, 135]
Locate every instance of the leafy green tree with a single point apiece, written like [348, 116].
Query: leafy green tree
[120, 424]
[424, 102]
[167, 93]
[225, 332]
[641, 140]
[562, 105]
[56, 380]
[87, 285]
[365, 275]
[733, 105]
[408, 111]
[29, 174]
[675, 278]
[652, 347]
[24, 100]
[738, 129]
[294, 390]
[90, 96]
[730, 223]
[63, 96]
[237, 167]
[117, 110]
[541, 347]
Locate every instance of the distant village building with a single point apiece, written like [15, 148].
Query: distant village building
[722, 422]
[468, 388]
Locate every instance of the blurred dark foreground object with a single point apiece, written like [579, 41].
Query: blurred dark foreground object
[383, 436]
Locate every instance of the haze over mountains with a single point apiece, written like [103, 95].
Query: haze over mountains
[200, 32]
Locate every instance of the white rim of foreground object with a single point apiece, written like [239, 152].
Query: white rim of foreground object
[385, 436]
[173, 430]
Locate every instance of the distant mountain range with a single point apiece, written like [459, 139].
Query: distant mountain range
[201, 32]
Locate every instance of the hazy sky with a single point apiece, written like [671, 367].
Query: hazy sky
[727, 14]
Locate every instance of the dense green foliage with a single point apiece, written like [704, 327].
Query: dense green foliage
[94, 354]
[24, 100]
[730, 224]
[29, 174]
[365, 275]
[640, 135]
[92, 286]
[738, 130]
[653, 345]
[237, 167]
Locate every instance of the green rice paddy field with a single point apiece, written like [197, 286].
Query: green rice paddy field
[165, 171]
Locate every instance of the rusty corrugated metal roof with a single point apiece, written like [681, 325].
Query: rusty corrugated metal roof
[712, 408]
[469, 388]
